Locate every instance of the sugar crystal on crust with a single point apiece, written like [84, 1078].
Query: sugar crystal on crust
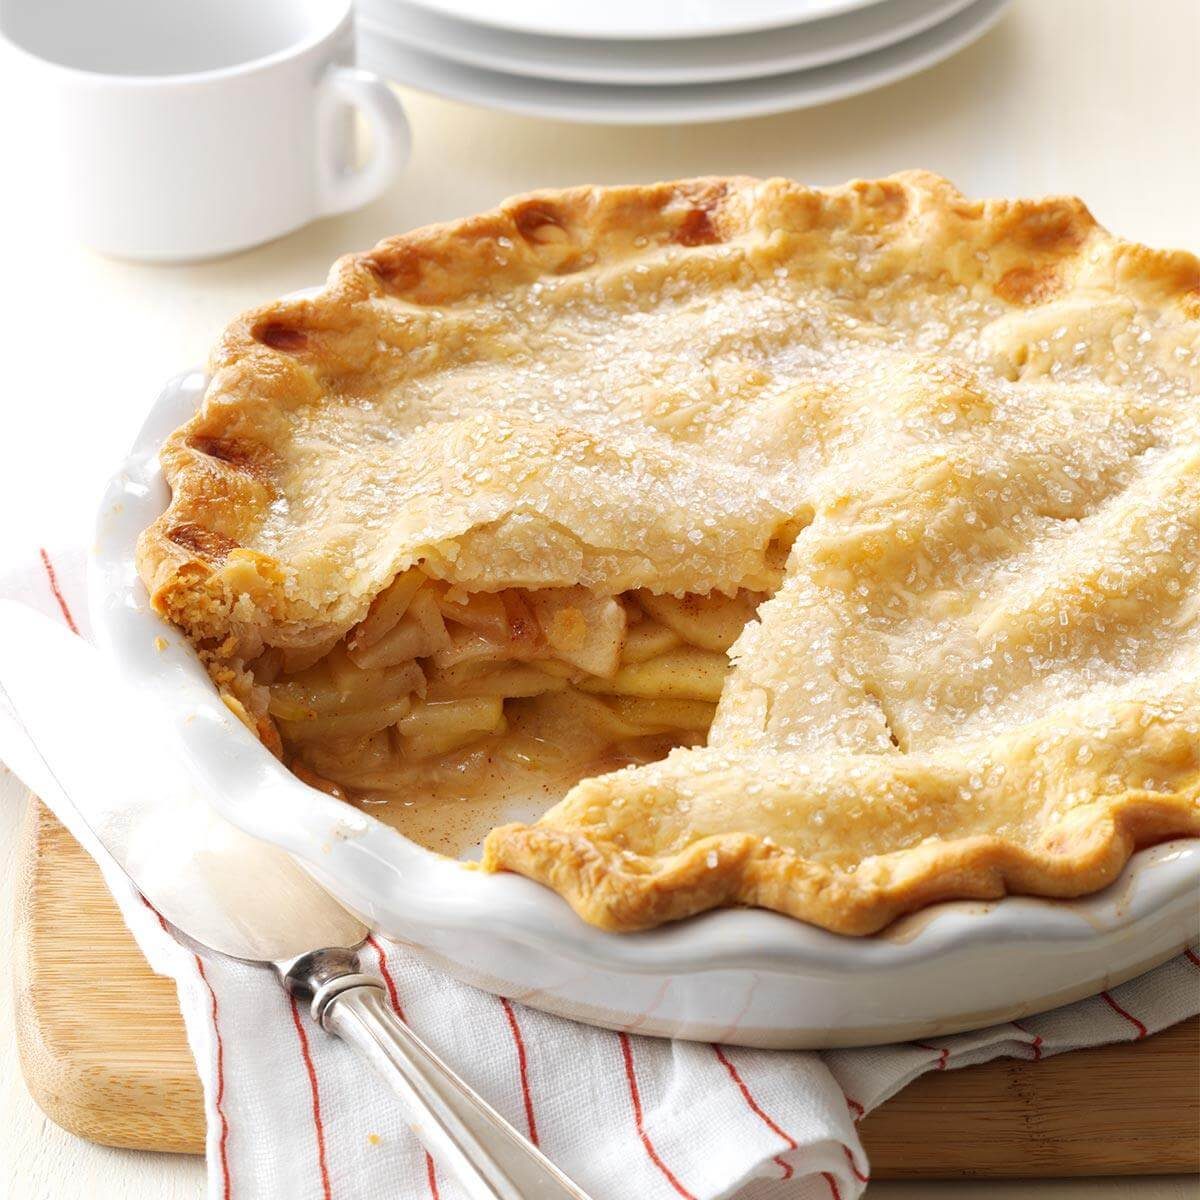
[955, 441]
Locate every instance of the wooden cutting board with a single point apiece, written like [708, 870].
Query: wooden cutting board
[104, 1054]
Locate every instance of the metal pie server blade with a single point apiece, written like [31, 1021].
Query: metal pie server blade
[83, 743]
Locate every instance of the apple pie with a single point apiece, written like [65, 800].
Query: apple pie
[832, 551]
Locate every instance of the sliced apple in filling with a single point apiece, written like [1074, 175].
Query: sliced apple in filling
[434, 676]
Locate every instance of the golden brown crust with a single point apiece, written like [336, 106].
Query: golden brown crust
[657, 386]
[608, 869]
[198, 558]
[600, 886]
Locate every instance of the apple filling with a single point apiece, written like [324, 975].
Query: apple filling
[436, 682]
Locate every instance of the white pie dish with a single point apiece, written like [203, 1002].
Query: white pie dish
[741, 976]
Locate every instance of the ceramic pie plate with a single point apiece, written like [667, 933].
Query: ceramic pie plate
[740, 976]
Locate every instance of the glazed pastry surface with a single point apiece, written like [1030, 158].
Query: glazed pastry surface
[947, 451]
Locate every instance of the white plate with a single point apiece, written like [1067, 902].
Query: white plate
[680, 104]
[744, 976]
[695, 60]
[659, 19]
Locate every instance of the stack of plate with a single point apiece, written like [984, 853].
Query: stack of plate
[650, 61]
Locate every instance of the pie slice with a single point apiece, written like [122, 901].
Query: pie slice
[833, 551]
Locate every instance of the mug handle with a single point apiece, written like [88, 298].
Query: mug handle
[340, 189]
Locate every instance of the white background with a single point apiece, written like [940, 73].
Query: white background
[1095, 97]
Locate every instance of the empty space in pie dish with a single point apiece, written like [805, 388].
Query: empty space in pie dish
[826, 550]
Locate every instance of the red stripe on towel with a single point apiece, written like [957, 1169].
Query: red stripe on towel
[940, 1065]
[1035, 1045]
[1141, 1029]
[791, 1141]
[754, 1105]
[854, 1166]
[219, 1102]
[388, 981]
[523, 1067]
[52, 577]
[318, 1124]
[223, 1145]
[394, 1001]
[834, 1191]
[635, 1096]
[756, 1109]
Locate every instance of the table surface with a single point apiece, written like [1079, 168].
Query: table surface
[1094, 97]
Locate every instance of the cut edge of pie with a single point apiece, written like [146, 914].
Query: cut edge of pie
[242, 606]
[436, 681]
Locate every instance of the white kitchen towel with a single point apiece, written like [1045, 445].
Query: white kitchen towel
[293, 1113]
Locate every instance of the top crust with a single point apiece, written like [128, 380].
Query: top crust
[972, 423]
[341, 436]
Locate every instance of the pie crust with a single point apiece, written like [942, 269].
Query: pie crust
[955, 441]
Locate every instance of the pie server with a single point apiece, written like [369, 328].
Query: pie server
[82, 744]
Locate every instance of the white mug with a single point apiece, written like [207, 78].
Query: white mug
[192, 128]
